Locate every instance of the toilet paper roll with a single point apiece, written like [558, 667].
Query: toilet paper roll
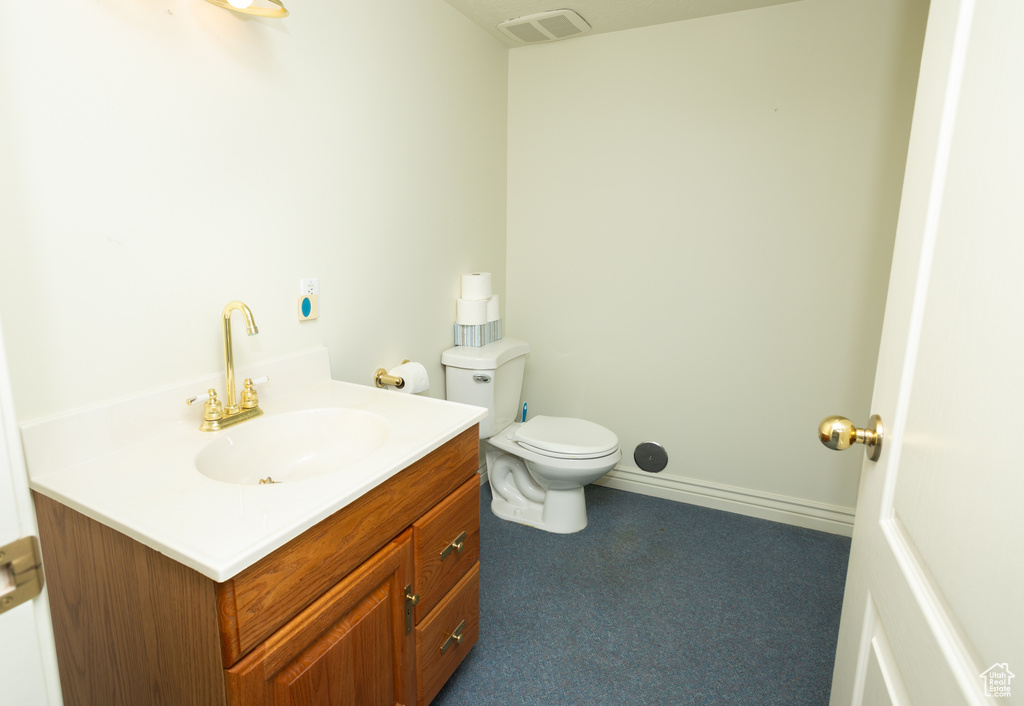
[414, 375]
[477, 286]
[471, 312]
[493, 310]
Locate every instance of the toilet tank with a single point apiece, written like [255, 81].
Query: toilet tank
[488, 376]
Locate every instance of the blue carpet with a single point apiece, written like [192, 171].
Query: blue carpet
[655, 602]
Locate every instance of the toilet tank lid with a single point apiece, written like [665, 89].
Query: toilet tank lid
[487, 357]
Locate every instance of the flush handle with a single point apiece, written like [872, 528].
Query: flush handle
[482, 378]
[838, 433]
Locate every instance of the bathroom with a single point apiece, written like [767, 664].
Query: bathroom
[679, 218]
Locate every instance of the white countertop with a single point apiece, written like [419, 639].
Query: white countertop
[130, 464]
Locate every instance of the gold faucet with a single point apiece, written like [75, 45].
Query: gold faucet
[231, 406]
[217, 415]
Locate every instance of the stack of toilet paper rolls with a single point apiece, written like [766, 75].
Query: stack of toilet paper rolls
[477, 319]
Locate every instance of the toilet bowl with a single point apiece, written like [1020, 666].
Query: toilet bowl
[536, 469]
[540, 487]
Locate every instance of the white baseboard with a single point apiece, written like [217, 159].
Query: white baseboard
[744, 501]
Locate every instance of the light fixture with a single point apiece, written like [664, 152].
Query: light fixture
[260, 8]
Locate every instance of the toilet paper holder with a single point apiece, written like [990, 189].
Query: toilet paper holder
[381, 378]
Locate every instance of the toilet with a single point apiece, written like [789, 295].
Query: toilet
[536, 469]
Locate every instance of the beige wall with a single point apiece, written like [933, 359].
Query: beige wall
[700, 223]
[699, 214]
[159, 159]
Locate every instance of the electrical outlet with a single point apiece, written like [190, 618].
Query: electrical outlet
[309, 295]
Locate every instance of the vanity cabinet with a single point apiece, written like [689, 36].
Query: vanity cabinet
[376, 604]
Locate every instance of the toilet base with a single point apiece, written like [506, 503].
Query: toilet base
[518, 497]
[562, 512]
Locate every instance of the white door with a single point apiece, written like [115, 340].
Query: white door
[934, 606]
[28, 660]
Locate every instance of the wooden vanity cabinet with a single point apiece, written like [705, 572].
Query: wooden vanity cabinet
[329, 618]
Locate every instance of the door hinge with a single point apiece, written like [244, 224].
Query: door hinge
[21, 572]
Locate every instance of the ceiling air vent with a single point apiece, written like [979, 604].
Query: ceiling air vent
[545, 26]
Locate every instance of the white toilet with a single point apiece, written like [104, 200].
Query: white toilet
[536, 469]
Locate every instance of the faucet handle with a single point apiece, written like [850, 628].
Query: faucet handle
[197, 399]
[213, 409]
[249, 399]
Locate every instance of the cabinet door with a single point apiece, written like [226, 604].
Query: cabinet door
[349, 647]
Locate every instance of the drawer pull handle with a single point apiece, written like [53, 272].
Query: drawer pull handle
[456, 546]
[455, 637]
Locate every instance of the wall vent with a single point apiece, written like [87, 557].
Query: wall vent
[545, 26]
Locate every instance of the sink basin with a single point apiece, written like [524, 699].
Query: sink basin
[293, 446]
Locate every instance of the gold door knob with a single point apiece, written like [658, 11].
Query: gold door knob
[838, 433]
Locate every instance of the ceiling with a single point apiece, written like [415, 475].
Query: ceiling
[601, 15]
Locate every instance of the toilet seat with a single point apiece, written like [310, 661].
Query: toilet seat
[566, 437]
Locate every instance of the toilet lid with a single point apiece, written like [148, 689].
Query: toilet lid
[566, 437]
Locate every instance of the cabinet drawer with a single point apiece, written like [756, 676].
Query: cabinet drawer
[457, 615]
[440, 563]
